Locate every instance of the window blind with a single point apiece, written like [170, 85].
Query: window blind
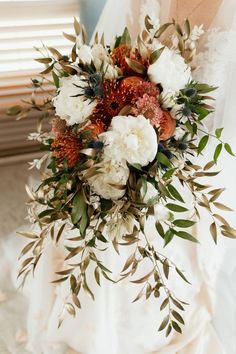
[24, 26]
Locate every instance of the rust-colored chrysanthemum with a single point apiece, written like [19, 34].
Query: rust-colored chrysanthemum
[93, 130]
[66, 147]
[114, 100]
[118, 56]
[123, 51]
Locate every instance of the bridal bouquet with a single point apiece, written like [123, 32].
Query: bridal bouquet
[127, 124]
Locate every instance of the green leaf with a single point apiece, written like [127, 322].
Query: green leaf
[202, 144]
[163, 159]
[169, 329]
[177, 316]
[79, 212]
[136, 166]
[56, 79]
[160, 229]
[217, 152]
[166, 268]
[125, 38]
[168, 174]
[106, 204]
[46, 213]
[164, 304]
[205, 88]
[218, 132]
[173, 191]
[228, 149]
[176, 327]
[117, 42]
[177, 304]
[77, 208]
[186, 236]
[164, 323]
[97, 275]
[183, 223]
[182, 275]
[176, 208]
[168, 237]
[201, 112]
[156, 55]
[13, 111]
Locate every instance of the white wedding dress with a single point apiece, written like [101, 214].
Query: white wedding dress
[112, 324]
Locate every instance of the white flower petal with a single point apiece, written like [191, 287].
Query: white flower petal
[111, 173]
[170, 70]
[132, 139]
[72, 109]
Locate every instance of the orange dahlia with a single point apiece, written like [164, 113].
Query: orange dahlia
[129, 85]
[66, 147]
[167, 125]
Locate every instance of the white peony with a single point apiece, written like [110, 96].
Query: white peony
[111, 173]
[85, 54]
[72, 109]
[161, 212]
[170, 70]
[132, 139]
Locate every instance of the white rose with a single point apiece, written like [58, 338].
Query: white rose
[170, 70]
[111, 173]
[72, 109]
[161, 212]
[85, 54]
[132, 139]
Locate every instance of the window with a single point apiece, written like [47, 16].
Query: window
[23, 26]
